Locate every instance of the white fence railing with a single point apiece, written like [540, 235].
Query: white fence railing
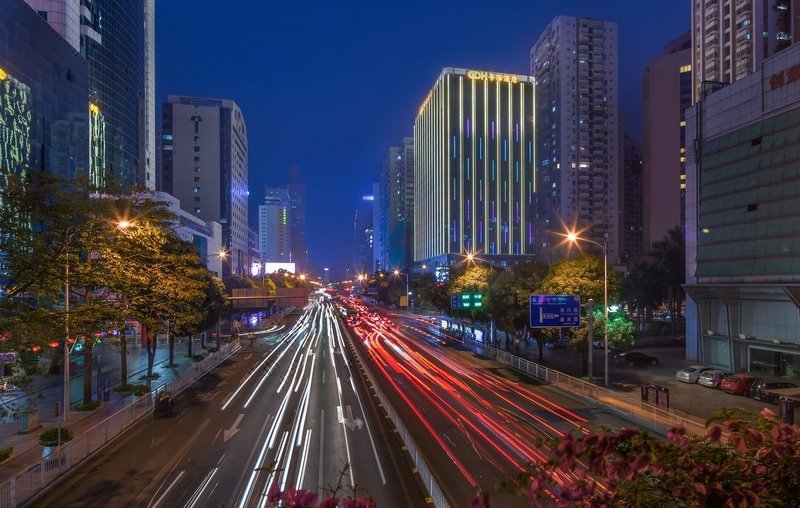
[647, 415]
[30, 483]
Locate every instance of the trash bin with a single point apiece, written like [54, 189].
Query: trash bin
[787, 410]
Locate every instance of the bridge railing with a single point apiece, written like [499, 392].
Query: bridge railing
[630, 407]
[28, 484]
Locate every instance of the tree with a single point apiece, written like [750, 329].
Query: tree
[187, 317]
[642, 289]
[670, 260]
[743, 460]
[474, 279]
[430, 293]
[160, 278]
[582, 276]
[52, 235]
[508, 298]
[215, 303]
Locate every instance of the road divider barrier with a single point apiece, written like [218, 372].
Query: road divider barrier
[435, 493]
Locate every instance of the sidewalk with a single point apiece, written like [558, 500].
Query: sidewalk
[47, 392]
[688, 399]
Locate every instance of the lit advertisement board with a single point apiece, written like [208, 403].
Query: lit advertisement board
[15, 121]
[274, 267]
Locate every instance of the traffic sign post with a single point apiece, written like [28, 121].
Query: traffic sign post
[555, 311]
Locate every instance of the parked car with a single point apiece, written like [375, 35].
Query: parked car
[712, 378]
[738, 384]
[635, 358]
[691, 373]
[762, 390]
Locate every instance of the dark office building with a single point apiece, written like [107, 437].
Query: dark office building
[43, 95]
[297, 220]
[632, 201]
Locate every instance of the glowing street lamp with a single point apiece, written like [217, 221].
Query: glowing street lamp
[573, 237]
[398, 273]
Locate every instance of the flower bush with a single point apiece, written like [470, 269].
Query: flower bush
[743, 460]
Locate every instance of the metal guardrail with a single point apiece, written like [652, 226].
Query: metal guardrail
[435, 492]
[647, 415]
[26, 485]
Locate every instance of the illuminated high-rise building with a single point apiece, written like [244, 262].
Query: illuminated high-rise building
[274, 235]
[397, 200]
[43, 96]
[117, 38]
[474, 189]
[578, 138]
[205, 165]
[731, 38]
[363, 236]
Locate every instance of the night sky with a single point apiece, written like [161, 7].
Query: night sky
[329, 86]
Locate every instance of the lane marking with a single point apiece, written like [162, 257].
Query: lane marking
[321, 450]
[229, 433]
[166, 492]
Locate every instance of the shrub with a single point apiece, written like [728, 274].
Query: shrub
[137, 390]
[743, 460]
[5, 453]
[140, 390]
[88, 406]
[50, 436]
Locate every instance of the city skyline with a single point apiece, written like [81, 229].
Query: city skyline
[331, 90]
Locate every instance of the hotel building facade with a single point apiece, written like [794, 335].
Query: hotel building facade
[474, 179]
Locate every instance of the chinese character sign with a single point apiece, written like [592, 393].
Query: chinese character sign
[15, 122]
[555, 311]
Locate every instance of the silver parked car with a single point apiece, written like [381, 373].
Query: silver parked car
[691, 373]
[712, 378]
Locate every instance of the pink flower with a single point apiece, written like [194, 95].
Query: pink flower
[330, 502]
[714, 433]
[274, 492]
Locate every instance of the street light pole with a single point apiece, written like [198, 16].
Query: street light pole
[408, 300]
[66, 339]
[605, 303]
[574, 238]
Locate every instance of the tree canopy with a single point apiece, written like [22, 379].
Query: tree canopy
[63, 238]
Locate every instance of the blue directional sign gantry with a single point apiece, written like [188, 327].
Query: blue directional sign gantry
[555, 311]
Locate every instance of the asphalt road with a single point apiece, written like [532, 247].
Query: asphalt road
[477, 423]
[290, 409]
